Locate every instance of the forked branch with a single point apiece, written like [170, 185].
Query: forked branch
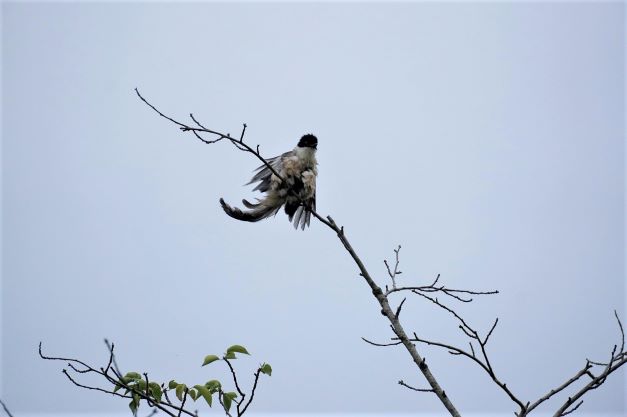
[200, 131]
[428, 292]
[138, 387]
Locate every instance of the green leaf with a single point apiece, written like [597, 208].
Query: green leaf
[132, 376]
[213, 385]
[231, 395]
[180, 389]
[117, 387]
[140, 385]
[266, 369]
[173, 384]
[226, 402]
[192, 393]
[134, 404]
[209, 359]
[230, 355]
[204, 392]
[237, 349]
[155, 389]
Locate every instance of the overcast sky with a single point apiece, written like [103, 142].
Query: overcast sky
[485, 138]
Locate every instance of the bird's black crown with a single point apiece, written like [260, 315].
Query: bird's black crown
[308, 141]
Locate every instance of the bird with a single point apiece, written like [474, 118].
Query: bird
[297, 193]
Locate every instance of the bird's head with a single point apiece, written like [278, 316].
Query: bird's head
[308, 141]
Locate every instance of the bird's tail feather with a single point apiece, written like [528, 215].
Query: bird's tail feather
[250, 205]
[258, 211]
[301, 217]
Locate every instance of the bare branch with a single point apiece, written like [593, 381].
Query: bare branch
[241, 137]
[464, 326]
[622, 333]
[6, 409]
[396, 271]
[381, 344]
[401, 382]
[78, 384]
[565, 413]
[451, 292]
[397, 327]
[158, 112]
[485, 341]
[69, 360]
[153, 412]
[241, 393]
[252, 392]
[576, 377]
[615, 362]
[400, 306]
[110, 347]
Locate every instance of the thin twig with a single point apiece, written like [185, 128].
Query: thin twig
[401, 382]
[252, 392]
[153, 412]
[78, 384]
[222, 404]
[381, 344]
[622, 332]
[111, 358]
[183, 402]
[576, 377]
[400, 306]
[396, 272]
[565, 413]
[6, 409]
[241, 393]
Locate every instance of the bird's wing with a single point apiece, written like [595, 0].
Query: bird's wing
[264, 175]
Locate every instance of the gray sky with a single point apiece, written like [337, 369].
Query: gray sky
[485, 138]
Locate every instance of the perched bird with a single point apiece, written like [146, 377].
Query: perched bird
[298, 168]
